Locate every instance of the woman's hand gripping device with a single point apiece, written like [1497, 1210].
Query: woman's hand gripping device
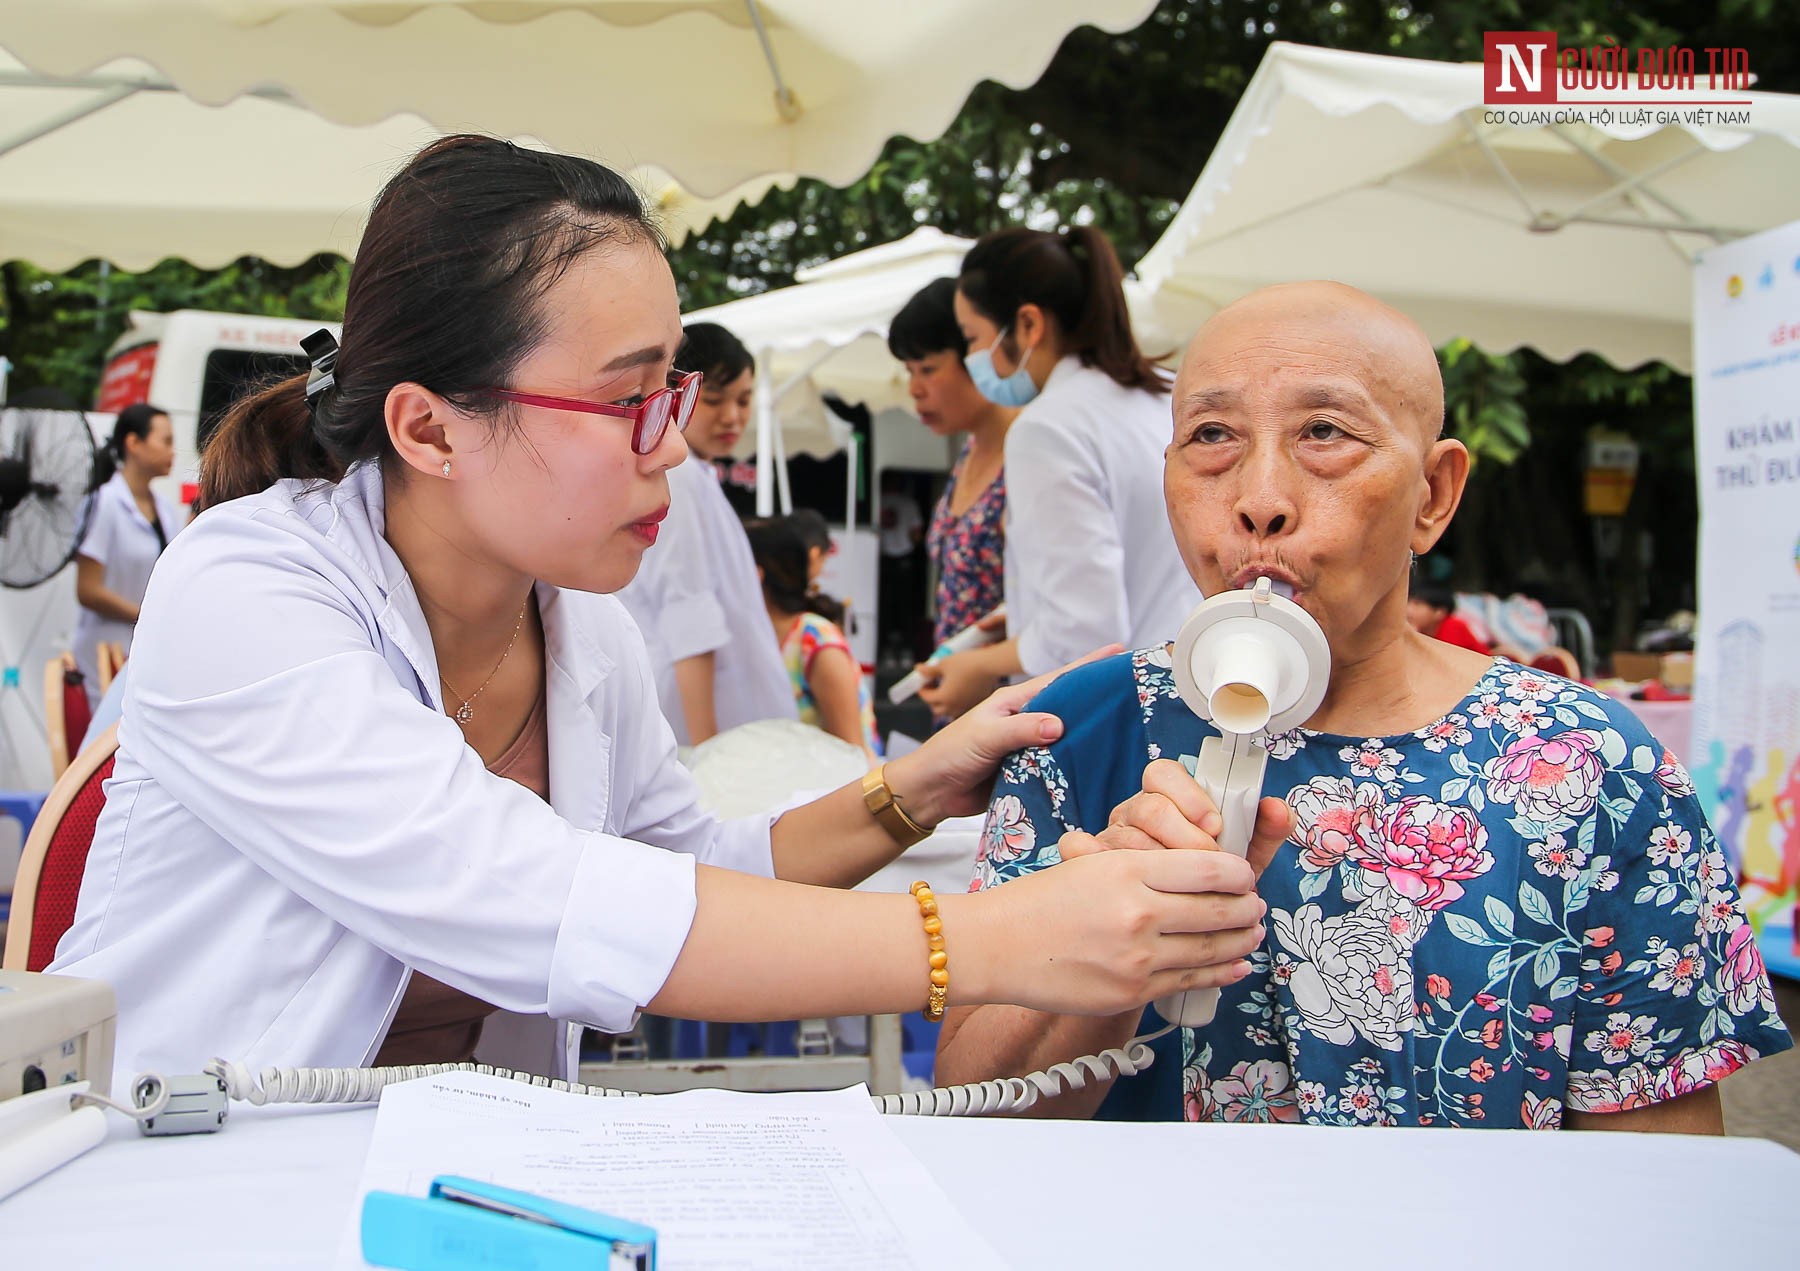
[1254, 664]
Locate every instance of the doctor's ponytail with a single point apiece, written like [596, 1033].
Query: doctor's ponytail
[265, 436]
[1103, 335]
[446, 292]
[1073, 276]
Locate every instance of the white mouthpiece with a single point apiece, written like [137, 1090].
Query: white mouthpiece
[1251, 661]
[1254, 663]
[1240, 666]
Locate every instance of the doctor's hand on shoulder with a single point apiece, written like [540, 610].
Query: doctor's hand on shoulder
[953, 773]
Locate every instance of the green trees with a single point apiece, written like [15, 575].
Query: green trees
[55, 328]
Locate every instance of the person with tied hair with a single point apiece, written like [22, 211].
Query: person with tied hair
[1089, 559]
[809, 524]
[391, 755]
[1494, 899]
[830, 690]
[130, 526]
[696, 597]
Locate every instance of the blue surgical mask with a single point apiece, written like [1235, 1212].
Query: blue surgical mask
[1014, 390]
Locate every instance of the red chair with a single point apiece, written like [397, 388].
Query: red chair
[66, 710]
[55, 856]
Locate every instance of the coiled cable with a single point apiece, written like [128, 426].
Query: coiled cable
[1008, 1095]
[999, 1097]
[364, 1085]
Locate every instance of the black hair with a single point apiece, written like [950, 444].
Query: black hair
[717, 354]
[780, 544]
[133, 421]
[1437, 595]
[1075, 277]
[812, 527]
[446, 291]
[926, 324]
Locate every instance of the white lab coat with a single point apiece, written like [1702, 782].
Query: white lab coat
[121, 539]
[1090, 558]
[293, 823]
[697, 592]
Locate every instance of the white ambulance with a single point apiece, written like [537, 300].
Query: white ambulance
[194, 364]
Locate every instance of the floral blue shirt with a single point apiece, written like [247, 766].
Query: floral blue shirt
[1516, 910]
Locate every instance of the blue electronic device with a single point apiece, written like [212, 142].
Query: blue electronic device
[465, 1225]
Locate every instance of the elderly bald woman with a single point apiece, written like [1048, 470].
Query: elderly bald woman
[1493, 898]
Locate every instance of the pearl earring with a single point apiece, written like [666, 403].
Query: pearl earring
[446, 467]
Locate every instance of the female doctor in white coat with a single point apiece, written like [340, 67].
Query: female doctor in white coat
[1090, 558]
[387, 756]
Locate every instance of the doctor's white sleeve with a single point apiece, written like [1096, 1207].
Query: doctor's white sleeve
[260, 701]
[1063, 540]
[102, 528]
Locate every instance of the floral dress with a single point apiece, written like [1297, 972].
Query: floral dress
[807, 636]
[969, 552]
[1514, 911]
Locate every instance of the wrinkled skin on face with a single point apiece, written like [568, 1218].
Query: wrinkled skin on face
[1306, 448]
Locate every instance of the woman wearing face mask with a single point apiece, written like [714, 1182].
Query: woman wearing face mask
[392, 760]
[1089, 556]
[130, 526]
[697, 598]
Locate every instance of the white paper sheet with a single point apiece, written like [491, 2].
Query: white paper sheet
[731, 1181]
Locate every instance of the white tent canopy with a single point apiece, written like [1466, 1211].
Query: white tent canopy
[1380, 172]
[133, 177]
[715, 91]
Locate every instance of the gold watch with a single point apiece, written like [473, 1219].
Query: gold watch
[884, 806]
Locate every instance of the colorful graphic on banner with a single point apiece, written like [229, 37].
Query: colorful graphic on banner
[1747, 673]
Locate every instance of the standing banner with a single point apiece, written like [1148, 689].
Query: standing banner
[1746, 751]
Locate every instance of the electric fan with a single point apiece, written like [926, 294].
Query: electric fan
[46, 473]
[47, 457]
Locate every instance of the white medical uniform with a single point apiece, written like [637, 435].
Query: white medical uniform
[1090, 558]
[293, 823]
[123, 540]
[697, 592]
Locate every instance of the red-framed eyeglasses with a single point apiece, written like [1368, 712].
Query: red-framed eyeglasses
[650, 418]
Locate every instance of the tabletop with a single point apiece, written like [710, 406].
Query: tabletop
[277, 1188]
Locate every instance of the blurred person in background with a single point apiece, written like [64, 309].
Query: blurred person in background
[967, 536]
[129, 528]
[1089, 556]
[696, 598]
[830, 690]
[816, 534]
[1431, 610]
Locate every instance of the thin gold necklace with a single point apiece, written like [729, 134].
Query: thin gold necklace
[466, 712]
